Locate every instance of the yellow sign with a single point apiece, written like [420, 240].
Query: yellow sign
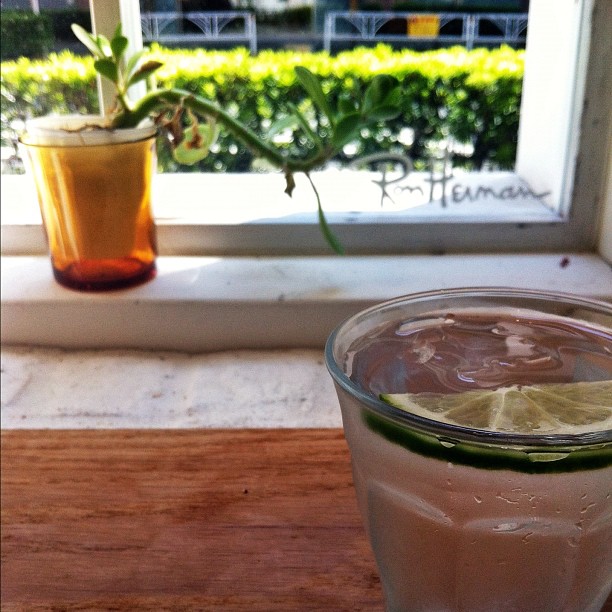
[424, 26]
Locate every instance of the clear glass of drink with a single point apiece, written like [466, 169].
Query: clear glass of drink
[479, 423]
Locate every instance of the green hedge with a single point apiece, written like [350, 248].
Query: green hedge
[472, 96]
[25, 33]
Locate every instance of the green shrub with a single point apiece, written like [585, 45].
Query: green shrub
[25, 33]
[472, 96]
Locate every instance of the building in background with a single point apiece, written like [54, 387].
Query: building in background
[44, 5]
[272, 6]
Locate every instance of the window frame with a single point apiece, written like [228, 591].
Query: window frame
[578, 180]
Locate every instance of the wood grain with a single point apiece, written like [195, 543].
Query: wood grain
[182, 520]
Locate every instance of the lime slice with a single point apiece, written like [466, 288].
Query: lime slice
[555, 408]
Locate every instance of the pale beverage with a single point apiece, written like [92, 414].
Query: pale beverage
[479, 428]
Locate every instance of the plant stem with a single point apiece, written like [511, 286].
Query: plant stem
[157, 101]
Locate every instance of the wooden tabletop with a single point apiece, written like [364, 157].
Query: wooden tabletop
[182, 520]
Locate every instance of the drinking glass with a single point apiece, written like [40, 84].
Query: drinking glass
[94, 191]
[464, 518]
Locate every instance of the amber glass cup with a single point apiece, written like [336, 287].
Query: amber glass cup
[94, 191]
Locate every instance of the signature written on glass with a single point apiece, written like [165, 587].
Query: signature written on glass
[441, 184]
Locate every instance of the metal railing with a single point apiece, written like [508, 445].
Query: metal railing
[508, 28]
[230, 26]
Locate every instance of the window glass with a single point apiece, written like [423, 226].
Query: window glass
[457, 170]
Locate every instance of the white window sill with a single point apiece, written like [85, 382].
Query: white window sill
[209, 304]
[171, 353]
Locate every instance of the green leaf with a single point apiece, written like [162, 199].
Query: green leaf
[104, 45]
[378, 90]
[133, 60]
[87, 39]
[346, 130]
[107, 68]
[303, 122]
[313, 88]
[213, 132]
[118, 46]
[284, 123]
[383, 113]
[144, 72]
[196, 144]
[346, 104]
[329, 236]
[189, 156]
[382, 100]
[394, 97]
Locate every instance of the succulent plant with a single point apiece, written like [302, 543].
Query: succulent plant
[191, 122]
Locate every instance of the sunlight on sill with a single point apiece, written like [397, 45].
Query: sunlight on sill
[210, 304]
